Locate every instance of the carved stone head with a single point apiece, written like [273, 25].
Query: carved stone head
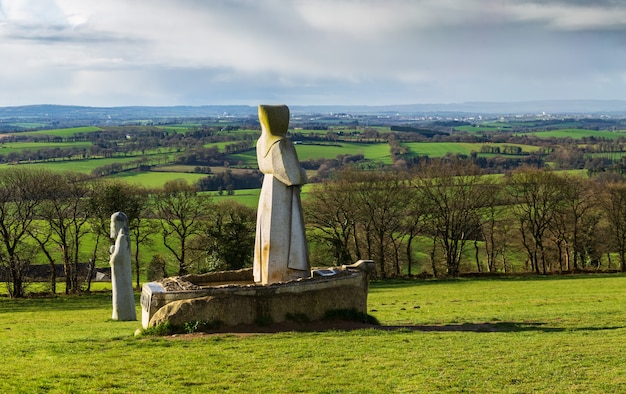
[119, 222]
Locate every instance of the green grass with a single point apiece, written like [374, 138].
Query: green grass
[551, 335]
[374, 152]
[578, 134]
[29, 125]
[155, 179]
[377, 152]
[250, 197]
[439, 149]
[83, 165]
[220, 145]
[483, 128]
[68, 132]
[8, 147]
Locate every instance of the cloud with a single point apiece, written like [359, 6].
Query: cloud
[339, 51]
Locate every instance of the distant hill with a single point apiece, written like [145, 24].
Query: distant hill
[99, 115]
[123, 113]
[617, 107]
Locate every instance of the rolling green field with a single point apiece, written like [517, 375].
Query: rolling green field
[84, 165]
[439, 149]
[155, 179]
[507, 335]
[67, 132]
[485, 127]
[373, 152]
[250, 197]
[579, 133]
[9, 147]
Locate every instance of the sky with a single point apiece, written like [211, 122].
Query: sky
[309, 52]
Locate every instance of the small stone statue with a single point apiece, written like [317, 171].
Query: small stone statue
[280, 251]
[121, 272]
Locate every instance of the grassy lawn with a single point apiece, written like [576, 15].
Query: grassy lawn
[485, 127]
[250, 197]
[155, 179]
[439, 149]
[6, 148]
[84, 165]
[579, 133]
[548, 334]
[68, 132]
[372, 152]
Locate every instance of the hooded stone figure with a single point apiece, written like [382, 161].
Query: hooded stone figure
[280, 252]
[121, 271]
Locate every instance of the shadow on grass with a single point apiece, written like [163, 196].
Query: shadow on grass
[491, 327]
[528, 277]
[353, 326]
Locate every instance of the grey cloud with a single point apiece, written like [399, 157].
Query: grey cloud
[245, 52]
[60, 34]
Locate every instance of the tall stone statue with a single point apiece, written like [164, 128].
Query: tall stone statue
[121, 272]
[280, 251]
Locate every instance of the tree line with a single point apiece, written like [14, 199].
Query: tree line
[443, 218]
[64, 218]
[527, 220]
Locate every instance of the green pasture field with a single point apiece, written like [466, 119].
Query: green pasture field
[67, 132]
[8, 147]
[179, 128]
[28, 125]
[220, 145]
[484, 127]
[82, 165]
[373, 152]
[247, 197]
[578, 134]
[438, 149]
[250, 197]
[155, 179]
[505, 335]
[246, 159]
[607, 155]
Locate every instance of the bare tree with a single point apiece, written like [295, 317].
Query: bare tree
[180, 210]
[328, 209]
[613, 203]
[381, 200]
[456, 194]
[575, 216]
[362, 214]
[20, 195]
[65, 211]
[537, 197]
[495, 227]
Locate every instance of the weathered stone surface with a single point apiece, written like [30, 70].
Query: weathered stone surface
[121, 271]
[235, 304]
[280, 251]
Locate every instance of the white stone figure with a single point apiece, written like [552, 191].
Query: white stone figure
[280, 251]
[121, 272]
